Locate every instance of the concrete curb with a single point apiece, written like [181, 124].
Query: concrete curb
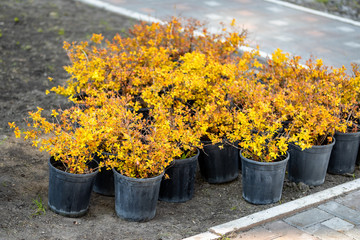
[274, 213]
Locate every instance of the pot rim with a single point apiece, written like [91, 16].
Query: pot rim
[138, 179]
[70, 174]
[315, 146]
[346, 133]
[265, 163]
[189, 159]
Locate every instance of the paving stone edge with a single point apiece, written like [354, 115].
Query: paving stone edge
[277, 212]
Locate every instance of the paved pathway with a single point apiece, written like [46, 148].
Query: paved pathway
[336, 219]
[330, 214]
[270, 23]
[274, 24]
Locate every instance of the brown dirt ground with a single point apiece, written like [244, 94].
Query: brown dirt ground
[31, 37]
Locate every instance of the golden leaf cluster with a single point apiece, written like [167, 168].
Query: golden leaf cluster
[142, 100]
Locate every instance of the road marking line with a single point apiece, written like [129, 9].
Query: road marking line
[315, 12]
[116, 9]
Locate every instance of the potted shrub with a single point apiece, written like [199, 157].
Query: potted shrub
[126, 64]
[344, 154]
[198, 86]
[263, 168]
[178, 185]
[105, 121]
[140, 151]
[70, 140]
[263, 145]
[226, 91]
[184, 92]
[310, 106]
[197, 91]
[219, 159]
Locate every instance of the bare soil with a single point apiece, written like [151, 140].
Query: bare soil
[31, 37]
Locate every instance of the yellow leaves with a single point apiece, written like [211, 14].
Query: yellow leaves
[319, 62]
[257, 64]
[54, 113]
[12, 124]
[193, 86]
[66, 45]
[17, 132]
[126, 136]
[278, 57]
[97, 38]
[70, 144]
[35, 143]
[282, 144]
[147, 47]
[259, 134]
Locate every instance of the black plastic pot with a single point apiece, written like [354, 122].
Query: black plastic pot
[136, 199]
[344, 154]
[104, 181]
[219, 165]
[262, 182]
[179, 187]
[309, 166]
[69, 194]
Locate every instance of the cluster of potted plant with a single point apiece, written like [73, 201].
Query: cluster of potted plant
[149, 106]
[321, 104]
[115, 125]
